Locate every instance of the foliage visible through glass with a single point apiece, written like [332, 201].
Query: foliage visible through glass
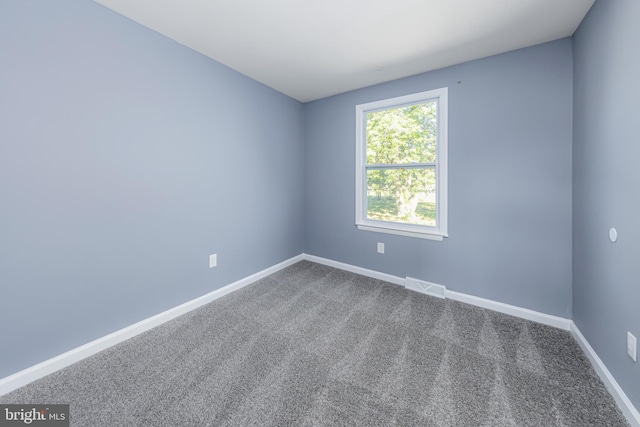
[402, 195]
[402, 136]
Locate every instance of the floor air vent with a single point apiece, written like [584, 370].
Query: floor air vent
[425, 287]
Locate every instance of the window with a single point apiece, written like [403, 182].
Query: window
[401, 165]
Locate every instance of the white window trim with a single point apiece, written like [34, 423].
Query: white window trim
[411, 230]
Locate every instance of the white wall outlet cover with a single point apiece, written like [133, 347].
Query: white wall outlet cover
[380, 248]
[613, 234]
[632, 347]
[213, 260]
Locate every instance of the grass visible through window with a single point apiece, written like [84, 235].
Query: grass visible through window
[384, 208]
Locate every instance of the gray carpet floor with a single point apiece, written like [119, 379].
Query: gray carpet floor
[312, 345]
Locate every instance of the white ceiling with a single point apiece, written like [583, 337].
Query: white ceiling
[313, 49]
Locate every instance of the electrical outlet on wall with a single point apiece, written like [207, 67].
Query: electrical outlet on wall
[632, 347]
[213, 260]
[380, 248]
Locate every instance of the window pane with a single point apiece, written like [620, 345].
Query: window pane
[402, 135]
[402, 195]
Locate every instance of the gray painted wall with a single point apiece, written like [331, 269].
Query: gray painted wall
[509, 181]
[125, 160]
[606, 176]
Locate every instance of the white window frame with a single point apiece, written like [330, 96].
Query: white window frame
[412, 230]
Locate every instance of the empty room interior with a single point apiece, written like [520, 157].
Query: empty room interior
[320, 213]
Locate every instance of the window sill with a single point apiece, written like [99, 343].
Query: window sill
[427, 236]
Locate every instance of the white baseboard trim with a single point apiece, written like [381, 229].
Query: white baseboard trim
[623, 402]
[524, 313]
[47, 367]
[625, 405]
[354, 269]
[513, 310]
